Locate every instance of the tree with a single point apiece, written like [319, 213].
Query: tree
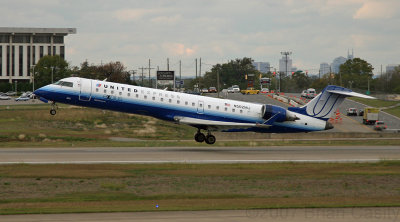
[231, 73]
[49, 66]
[355, 73]
[112, 71]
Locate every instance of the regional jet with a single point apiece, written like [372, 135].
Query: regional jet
[204, 113]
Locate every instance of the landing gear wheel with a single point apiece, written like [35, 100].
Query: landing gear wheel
[53, 112]
[53, 108]
[210, 139]
[199, 137]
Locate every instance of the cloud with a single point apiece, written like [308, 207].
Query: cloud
[179, 49]
[132, 14]
[166, 20]
[377, 10]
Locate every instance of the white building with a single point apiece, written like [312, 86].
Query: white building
[263, 67]
[391, 67]
[324, 68]
[285, 66]
[21, 48]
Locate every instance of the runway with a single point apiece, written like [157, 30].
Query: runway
[301, 215]
[198, 154]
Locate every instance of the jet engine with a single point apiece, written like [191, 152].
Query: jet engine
[279, 113]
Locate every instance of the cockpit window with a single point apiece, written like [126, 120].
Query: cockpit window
[57, 83]
[69, 84]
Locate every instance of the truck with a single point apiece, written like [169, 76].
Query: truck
[370, 115]
[250, 90]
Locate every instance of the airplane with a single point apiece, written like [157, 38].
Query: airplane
[202, 112]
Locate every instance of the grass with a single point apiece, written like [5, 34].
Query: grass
[32, 126]
[62, 188]
[394, 111]
[375, 102]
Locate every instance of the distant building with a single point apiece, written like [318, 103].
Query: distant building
[324, 68]
[336, 63]
[391, 67]
[263, 67]
[21, 48]
[285, 66]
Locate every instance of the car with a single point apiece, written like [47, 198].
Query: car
[212, 89]
[22, 98]
[361, 112]
[236, 88]
[11, 93]
[308, 93]
[230, 90]
[250, 90]
[204, 90]
[380, 125]
[351, 112]
[264, 90]
[5, 97]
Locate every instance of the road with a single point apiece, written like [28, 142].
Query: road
[199, 154]
[376, 214]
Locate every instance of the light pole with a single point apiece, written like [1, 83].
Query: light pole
[33, 78]
[52, 70]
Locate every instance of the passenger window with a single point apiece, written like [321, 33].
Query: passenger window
[217, 107]
[226, 109]
[120, 93]
[154, 98]
[97, 89]
[145, 97]
[186, 103]
[105, 91]
[137, 95]
[233, 110]
[170, 100]
[193, 104]
[112, 91]
[209, 106]
[129, 94]
[177, 101]
[241, 111]
[162, 99]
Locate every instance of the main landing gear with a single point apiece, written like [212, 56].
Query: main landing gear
[200, 137]
[53, 108]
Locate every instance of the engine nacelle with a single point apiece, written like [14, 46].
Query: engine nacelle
[281, 113]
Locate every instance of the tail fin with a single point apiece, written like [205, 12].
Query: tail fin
[326, 103]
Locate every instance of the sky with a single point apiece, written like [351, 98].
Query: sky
[218, 31]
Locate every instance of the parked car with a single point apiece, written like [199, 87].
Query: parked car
[5, 97]
[361, 112]
[11, 93]
[212, 89]
[264, 90]
[230, 90]
[236, 88]
[22, 98]
[380, 125]
[352, 112]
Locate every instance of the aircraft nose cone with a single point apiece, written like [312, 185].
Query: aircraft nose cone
[328, 125]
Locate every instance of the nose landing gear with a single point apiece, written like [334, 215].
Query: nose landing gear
[200, 137]
[53, 108]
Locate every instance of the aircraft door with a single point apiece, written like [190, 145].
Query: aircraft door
[200, 107]
[85, 92]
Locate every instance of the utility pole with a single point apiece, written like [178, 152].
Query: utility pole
[218, 82]
[149, 74]
[180, 74]
[197, 83]
[286, 53]
[168, 64]
[200, 68]
[142, 68]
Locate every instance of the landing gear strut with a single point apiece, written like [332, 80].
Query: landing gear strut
[200, 137]
[53, 108]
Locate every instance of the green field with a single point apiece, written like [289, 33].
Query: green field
[134, 187]
[375, 102]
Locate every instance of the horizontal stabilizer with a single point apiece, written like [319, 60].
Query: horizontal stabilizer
[346, 93]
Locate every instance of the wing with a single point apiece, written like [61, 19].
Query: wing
[216, 125]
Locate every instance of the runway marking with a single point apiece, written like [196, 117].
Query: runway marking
[198, 161]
